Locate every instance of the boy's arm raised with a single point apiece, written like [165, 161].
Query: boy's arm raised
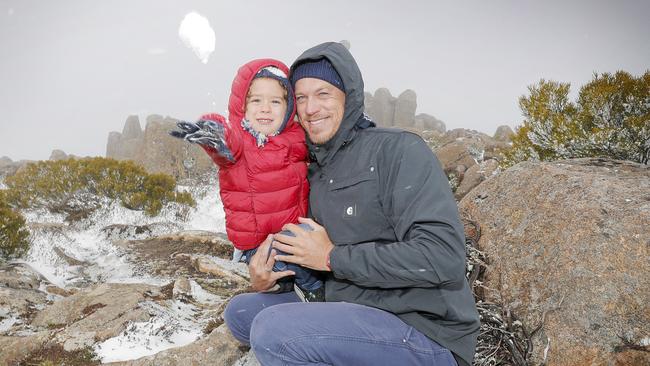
[214, 135]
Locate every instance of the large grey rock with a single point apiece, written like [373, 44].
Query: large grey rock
[475, 175]
[217, 349]
[457, 153]
[172, 255]
[383, 108]
[568, 244]
[405, 107]
[132, 129]
[5, 160]
[95, 314]
[20, 296]
[155, 150]
[503, 133]
[427, 122]
[114, 146]
[15, 348]
[58, 155]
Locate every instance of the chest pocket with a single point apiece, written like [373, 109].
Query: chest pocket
[353, 208]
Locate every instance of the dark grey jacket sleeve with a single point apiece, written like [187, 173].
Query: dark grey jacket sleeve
[417, 200]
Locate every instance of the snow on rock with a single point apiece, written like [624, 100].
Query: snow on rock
[170, 326]
[113, 246]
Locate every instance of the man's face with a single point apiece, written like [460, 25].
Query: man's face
[320, 106]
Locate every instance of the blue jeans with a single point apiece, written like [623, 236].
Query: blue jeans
[305, 278]
[284, 331]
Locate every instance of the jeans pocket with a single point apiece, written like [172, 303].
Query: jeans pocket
[433, 351]
[417, 341]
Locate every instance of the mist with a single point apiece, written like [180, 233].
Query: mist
[72, 71]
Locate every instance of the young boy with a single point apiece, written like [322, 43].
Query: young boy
[262, 159]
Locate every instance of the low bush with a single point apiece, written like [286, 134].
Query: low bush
[68, 183]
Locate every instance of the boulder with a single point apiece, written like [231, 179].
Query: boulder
[182, 289]
[503, 133]
[455, 154]
[383, 108]
[218, 349]
[476, 174]
[5, 160]
[171, 255]
[20, 297]
[427, 122]
[95, 314]
[113, 146]
[405, 107]
[15, 349]
[132, 129]
[58, 155]
[155, 150]
[567, 245]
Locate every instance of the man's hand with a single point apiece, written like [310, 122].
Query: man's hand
[309, 249]
[260, 268]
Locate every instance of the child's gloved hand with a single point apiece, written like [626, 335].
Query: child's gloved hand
[206, 133]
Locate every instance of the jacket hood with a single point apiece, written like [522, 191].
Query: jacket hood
[348, 70]
[241, 84]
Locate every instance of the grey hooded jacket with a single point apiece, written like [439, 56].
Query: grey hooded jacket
[387, 206]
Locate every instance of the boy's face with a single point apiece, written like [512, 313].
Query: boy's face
[266, 105]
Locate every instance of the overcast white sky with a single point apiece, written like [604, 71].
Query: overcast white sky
[72, 71]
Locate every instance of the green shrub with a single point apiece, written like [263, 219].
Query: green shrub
[56, 184]
[14, 236]
[610, 118]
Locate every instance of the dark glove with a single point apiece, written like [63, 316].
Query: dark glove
[206, 133]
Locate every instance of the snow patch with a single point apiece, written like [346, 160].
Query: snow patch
[169, 327]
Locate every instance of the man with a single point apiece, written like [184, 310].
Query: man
[386, 234]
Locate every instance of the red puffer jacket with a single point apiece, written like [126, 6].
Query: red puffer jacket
[266, 187]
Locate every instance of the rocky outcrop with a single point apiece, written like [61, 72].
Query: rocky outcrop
[5, 160]
[58, 155]
[388, 111]
[154, 149]
[218, 348]
[567, 245]
[20, 297]
[475, 175]
[171, 255]
[37, 316]
[503, 133]
[463, 151]
[427, 122]
[9, 167]
[405, 107]
[95, 314]
[381, 108]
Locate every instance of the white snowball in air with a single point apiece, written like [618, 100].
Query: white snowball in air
[196, 33]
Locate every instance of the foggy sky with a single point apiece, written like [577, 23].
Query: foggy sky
[72, 71]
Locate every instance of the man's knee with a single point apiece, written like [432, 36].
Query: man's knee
[237, 319]
[267, 334]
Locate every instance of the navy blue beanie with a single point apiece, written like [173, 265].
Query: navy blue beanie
[321, 69]
[273, 72]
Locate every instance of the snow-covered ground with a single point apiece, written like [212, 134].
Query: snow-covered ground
[80, 254]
